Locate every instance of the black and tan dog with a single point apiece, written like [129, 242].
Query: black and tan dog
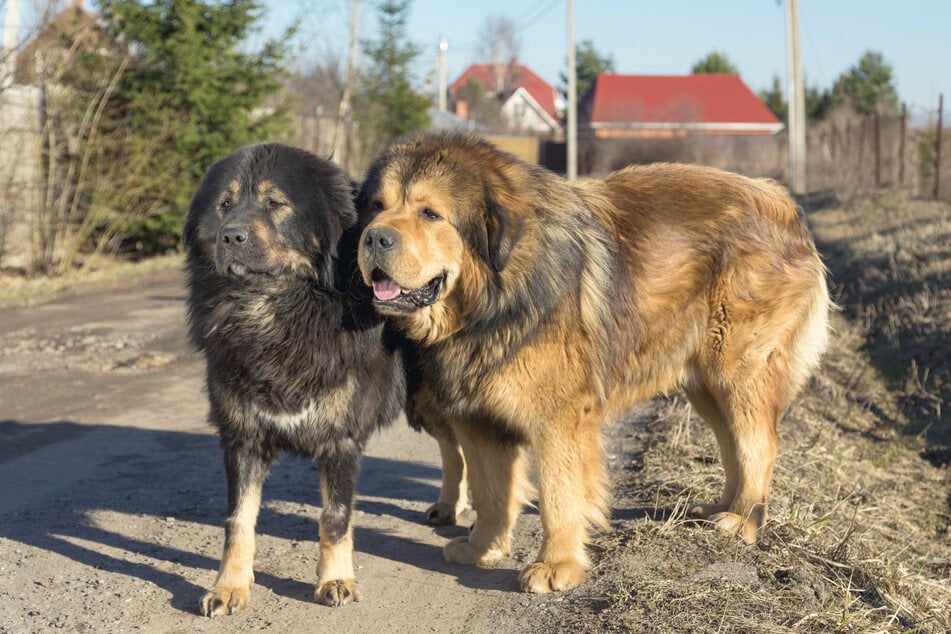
[297, 359]
[545, 307]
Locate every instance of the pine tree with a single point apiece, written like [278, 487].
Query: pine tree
[868, 85]
[192, 94]
[715, 62]
[775, 99]
[817, 101]
[386, 105]
[589, 63]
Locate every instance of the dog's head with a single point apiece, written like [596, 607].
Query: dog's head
[268, 211]
[444, 214]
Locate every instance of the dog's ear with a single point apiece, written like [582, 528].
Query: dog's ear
[341, 192]
[503, 230]
[201, 205]
[495, 229]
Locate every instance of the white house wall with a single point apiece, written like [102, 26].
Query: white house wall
[523, 113]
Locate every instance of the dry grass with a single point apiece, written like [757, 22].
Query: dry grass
[19, 290]
[891, 259]
[858, 539]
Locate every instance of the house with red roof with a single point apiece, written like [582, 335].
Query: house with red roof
[528, 103]
[638, 106]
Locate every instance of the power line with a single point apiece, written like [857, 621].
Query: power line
[524, 21]
[534, 12]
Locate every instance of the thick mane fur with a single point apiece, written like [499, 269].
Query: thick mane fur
[276, 344]
[559, 256]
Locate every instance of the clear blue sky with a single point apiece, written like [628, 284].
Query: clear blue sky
[660, 36]
[668, 36]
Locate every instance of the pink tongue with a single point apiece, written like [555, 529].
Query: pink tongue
[386, 290]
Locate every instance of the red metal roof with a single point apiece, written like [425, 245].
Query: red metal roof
[540, 90]
[660, 99]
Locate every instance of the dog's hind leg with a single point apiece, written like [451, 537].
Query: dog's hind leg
[498, 480]
[423, 412]
[752, 422]
[336, 585]
[454, 491]
[705, 404]
[743, 412]
[246, 468]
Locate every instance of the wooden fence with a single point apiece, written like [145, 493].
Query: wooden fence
[847, 155]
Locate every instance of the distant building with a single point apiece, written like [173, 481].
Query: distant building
[42, 58]
[445, 121]
[639, 106]
[528, 103]
[33, 73]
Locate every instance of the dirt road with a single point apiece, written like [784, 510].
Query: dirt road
[113, 493]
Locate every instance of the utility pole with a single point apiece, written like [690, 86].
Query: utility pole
[339, 155]
[937, 148]
[572, 132]
[797, 102]
[443, 73]
[901, 145]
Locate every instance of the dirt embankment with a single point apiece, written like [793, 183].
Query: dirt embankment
[859, 536]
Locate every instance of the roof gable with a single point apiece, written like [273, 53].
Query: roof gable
[540, 121]
[517, 76]
[665, 99]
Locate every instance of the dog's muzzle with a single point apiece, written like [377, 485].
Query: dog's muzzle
[388, 296]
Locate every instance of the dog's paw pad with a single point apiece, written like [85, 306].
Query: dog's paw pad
[222, 601]
[704, 511]
[462, 551]
[543, 577]
[441, 514]
[733, 524]
[336, 592]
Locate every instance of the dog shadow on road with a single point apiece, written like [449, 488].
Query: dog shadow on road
[150, 504]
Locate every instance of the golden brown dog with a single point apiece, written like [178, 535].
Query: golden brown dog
[544, 308]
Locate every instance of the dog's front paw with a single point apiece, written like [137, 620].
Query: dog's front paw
[224, 600]
[336, 592]
[462, 551]
[734, 524]
[441, 514]
[543, 577]
[703, 511]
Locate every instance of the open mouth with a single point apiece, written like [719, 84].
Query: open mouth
[389, 294]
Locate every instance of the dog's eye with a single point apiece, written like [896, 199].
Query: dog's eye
[377, 205]
[273, 203]
[226, 203]
[429, 214]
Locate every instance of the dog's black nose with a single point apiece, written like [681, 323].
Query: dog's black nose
[380, 237]
[233, 235]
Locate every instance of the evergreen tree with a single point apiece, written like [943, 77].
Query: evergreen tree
[868, 85]
[775, 99]
[817, 101]
[191, 94]
[588, 65]
[385, 103]
[715, 62]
